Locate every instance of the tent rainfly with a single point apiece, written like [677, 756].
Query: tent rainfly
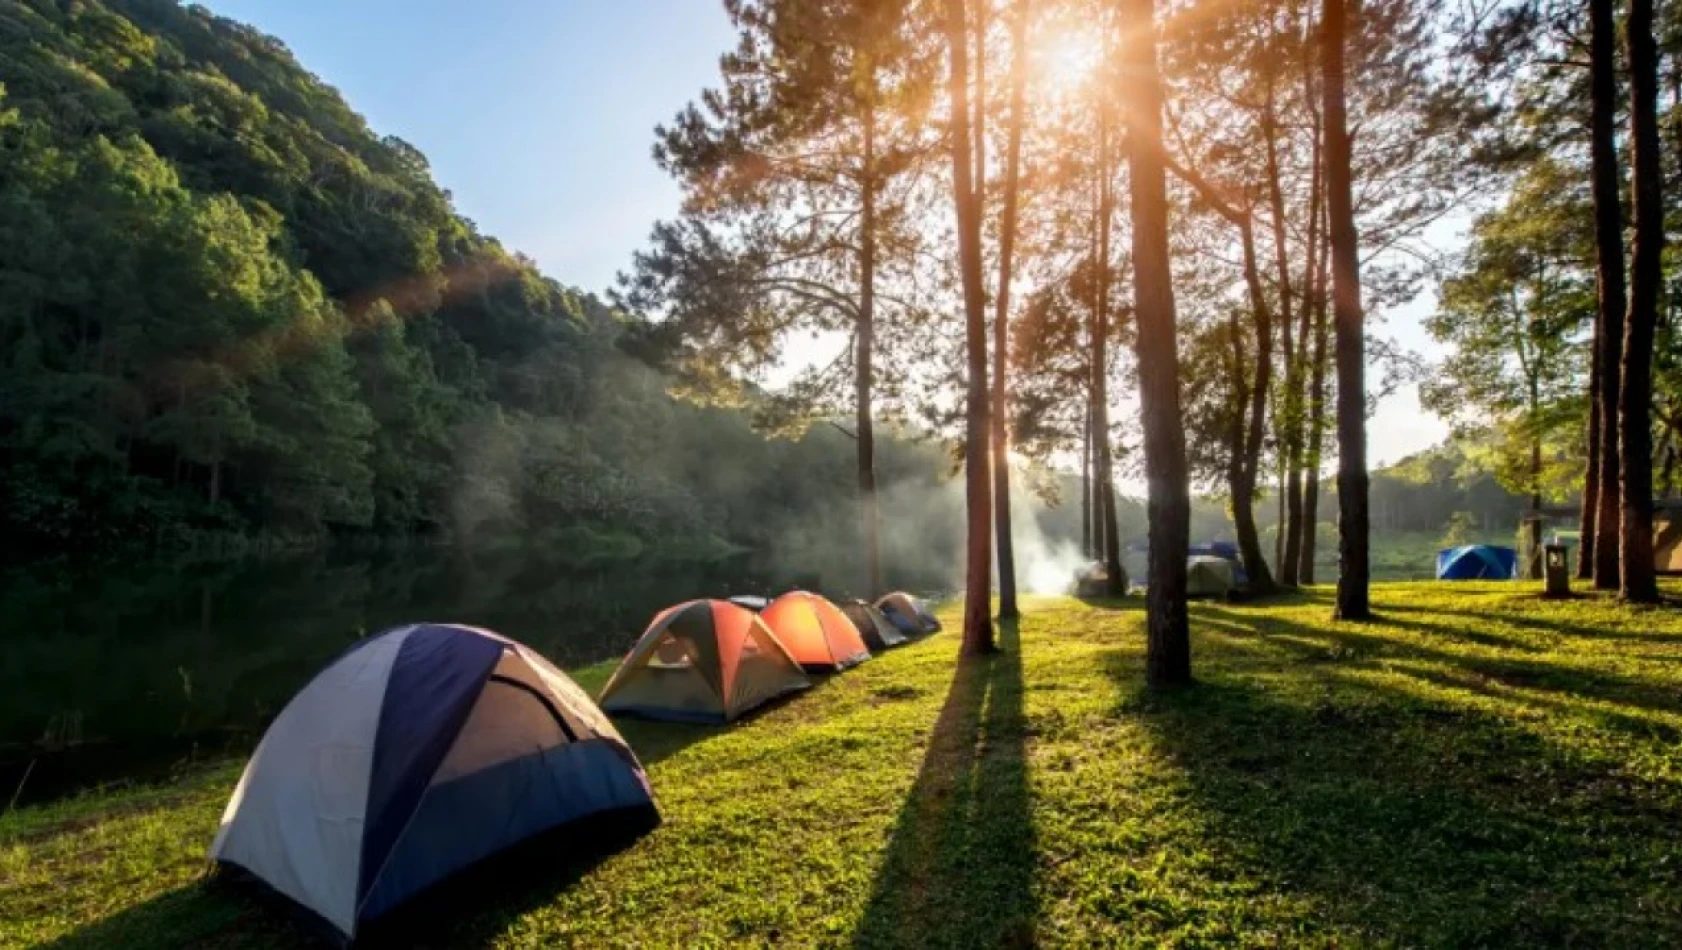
[702, 661]
[818, 635]
[877, 631]
[418, 752]
[1471, 562]
[908, 613]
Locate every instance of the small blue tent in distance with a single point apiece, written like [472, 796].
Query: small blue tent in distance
[1475, 562]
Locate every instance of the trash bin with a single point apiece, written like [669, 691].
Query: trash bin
[1556, 570]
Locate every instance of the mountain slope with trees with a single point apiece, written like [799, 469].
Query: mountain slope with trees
[230, 309]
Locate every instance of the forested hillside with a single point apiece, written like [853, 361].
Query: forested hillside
[230, 309]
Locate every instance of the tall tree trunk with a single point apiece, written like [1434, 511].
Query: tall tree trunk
[1638, 582]
[1115, 579]
[1244, 492]
[1310, 309]
[978, 134]
[1288, 422]
[1243, 501]
[1110, 542]
[1314, 309]
[1316, 435]
[1314, 375]
[1168, 638]
[1279, 512]
[1097, 486]
[1001, 313]
[869, 513]
[1353, 572]
[1249, 408]
[1609, 277]
[1587, 528]
[1086, 536]
[1534, 535]
[978, 623]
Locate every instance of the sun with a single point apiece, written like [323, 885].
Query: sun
[1065, 57]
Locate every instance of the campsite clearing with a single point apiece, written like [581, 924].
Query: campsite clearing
[1477, 767]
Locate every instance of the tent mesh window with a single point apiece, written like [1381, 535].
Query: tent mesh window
[506, 723]
[673, 653]
[676, 676]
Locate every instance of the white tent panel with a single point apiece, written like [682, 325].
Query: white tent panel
[300, 804]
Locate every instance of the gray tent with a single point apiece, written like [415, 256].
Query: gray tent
[1208, 576]
[907, 613]
[878, 631]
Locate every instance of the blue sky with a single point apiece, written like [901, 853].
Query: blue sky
[538, 115]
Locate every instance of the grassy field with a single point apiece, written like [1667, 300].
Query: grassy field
[1479, 767]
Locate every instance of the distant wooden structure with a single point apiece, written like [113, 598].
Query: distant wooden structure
[1667, 529]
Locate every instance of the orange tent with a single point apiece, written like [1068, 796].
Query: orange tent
[817, 634]
[702, 661]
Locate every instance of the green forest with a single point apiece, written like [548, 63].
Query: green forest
[232, 314]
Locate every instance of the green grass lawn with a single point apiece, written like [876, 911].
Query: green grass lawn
[1478, 768]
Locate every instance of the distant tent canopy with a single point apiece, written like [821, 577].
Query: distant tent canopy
[752, 602]
[1224, 549]
[817, 634]
[1209, 576]
[908, 613]
[877, 631]
[1227, 551]
[1136, 558]
[417, 753]
[702, 661]
[1471, 562]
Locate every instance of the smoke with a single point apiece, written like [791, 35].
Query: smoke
[634, 463]
[923, 537]
[1044, 565]
[1045, 540]
[488, 463]
[923, 531]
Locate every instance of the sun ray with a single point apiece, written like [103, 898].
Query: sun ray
[1065, 56]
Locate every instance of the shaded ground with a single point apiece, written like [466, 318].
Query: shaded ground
[1478, 768]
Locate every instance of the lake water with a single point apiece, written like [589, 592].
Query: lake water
[130, 672]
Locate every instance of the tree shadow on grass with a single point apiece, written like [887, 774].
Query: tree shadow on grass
[1367, 642]
[1464, 632]
[959, 868]
[468, 909]
[1555, 625]
[653, 740]
[1418, 822]
[204, 913]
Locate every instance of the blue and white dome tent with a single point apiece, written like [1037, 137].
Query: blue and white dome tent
[418, 752]
[1471, 562]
